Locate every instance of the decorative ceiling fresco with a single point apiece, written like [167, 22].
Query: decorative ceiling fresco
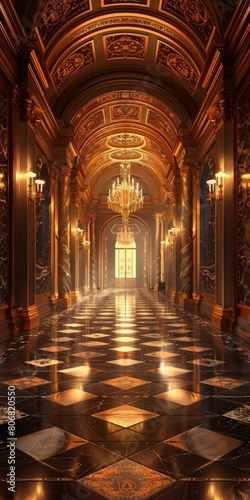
[127, 77]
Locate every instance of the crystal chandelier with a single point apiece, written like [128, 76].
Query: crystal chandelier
[125, 197]
[125, 236]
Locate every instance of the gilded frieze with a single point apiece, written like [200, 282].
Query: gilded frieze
[192, 12]
[72, 64]
[177, 64]
[123, 111]
[125, 46]
[243, 162]
[159, 122]
[57, 12]
[90, 124]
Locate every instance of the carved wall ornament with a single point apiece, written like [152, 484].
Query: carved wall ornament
[84, 57]
[125, 47]
[159, 122]
[194, 12]
[57, 12]
[221, 109]
[124, 111]
[177, 64]
[90, 124]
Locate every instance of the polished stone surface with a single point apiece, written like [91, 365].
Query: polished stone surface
[126, 396]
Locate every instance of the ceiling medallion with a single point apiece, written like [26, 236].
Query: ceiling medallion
[129, 154]
[125, 140]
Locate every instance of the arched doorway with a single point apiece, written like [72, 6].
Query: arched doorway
[125, 265]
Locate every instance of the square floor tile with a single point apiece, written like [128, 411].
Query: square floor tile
[242, 414]
[126, 480]
[26, 382]
[210, 363]
[125, 362]
[93, 343]
[80, 371]
[43, 362]
[69, 397]
[124, 339]
[125, 348]
[169, 371]
[96, 335]
[225, 382]
[4, 418]
[162, 354]
[124, 331]
[87, 354]
[126, 382]
[125, 415]
[181, 397]
[156, 343]
[208, 444]
[48, 442]
[54, 348]
[195, 348]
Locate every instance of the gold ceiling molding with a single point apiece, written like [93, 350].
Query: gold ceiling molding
[177, 64]
[91, 123]
[73, 64]
[193, 12]
[56, 13]
[125, 46]
[112, 97]
[125, 111]
[160, 123]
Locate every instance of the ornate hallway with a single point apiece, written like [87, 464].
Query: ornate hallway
[126, 396]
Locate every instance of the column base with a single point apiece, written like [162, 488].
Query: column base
[175, 296]
[75, 297]
[222, 317]
[29, 317]
[64, 302]
[185, 300]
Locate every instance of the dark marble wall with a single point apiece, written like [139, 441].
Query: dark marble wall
[243, 223]
[3, 197]
[43, 239]
[207, 230]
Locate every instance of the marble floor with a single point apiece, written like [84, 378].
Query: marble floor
[125, 396]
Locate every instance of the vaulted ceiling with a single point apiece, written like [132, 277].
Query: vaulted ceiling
[127, 76]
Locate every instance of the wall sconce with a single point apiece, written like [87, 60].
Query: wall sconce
[79, 233]
[35, 188]
[39, 190]
[87, 243]
[216, 187]
[245, 181]
[30, 176]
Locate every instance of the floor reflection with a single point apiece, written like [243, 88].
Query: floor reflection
[126, 396]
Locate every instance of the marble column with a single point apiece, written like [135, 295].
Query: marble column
[186, 266]
[157, 218]
[75, 240]
[54, 175]
[64, 275]
[106, 261]
[23, 218]
[225, 253]
[144, 239]
[176, 242]
[93, 255]
[196, 176]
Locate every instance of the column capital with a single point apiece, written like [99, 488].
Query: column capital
[222, 108]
